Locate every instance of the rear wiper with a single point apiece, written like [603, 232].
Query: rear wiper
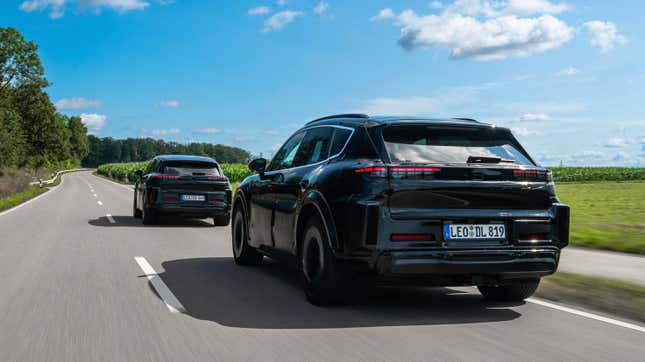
[486, 159]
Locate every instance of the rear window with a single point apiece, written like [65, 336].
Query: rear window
[190, 168]
[427, 144]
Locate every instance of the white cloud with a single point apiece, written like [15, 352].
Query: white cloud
[568, 72]
[279, 20]
[616, 142]
[57, 7]
[436, 4]
[525, 132]
[260, 10]
[321, 8]
[94, 122]
[159, 132]
[490, 39]
[545, 107]
[587, 157]
[604, 35]
[207, 131]
[169, 103]
[384, 14]
[77, 103]
[510, 7]
[535, 117]
[282, 2]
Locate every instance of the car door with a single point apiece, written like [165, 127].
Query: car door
[261, 200]
[141, 183]
[289, 184]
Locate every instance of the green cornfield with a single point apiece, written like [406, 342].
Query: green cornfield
[125, 172]
[593, 174]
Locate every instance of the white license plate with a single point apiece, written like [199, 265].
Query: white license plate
[193, 198]
[474, 232]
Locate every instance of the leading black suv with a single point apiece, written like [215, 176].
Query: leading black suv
[179, 185]
[392, 200]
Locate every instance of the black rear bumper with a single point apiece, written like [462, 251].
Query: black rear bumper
[192, 210]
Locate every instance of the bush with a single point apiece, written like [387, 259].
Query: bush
[13, 181]
[125, 172]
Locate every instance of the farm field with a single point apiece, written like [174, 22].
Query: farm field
[606, 215]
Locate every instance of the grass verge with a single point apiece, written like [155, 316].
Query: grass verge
[602, 294]
[20, 197]
[606, 215]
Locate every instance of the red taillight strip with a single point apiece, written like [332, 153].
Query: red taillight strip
[415, 169]
[369, 169]
[165, 177]
[218, 178]
[412, 237]
[530, 173]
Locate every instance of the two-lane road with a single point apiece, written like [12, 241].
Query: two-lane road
[71, 290]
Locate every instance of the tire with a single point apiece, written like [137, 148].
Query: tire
[136, 213]
[509, 293]
[243, 253]
[149, 215]
[222, 220]
[324, 284]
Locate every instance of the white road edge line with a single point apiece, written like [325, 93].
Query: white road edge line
[173, 304]
[100, 203]
[586, 314]
[110, 219]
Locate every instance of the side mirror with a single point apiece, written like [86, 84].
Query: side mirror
[258, 165]
[139, 173]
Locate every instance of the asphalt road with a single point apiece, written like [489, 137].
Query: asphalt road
[71, 290]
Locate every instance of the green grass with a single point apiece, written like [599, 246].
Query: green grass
[612, 296]
[20, 197]
[606, 215]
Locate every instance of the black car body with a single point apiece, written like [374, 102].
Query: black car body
[403, 201]
[178, 185]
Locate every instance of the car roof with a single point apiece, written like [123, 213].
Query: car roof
[185, 158]
[355, 120]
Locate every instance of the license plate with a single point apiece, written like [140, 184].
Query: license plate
[193, 198]
[474, 232]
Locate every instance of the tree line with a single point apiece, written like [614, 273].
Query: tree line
[109, 150]
[32, 133]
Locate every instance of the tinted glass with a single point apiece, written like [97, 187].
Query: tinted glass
[315, 146]
[338, 142]
[190, 168]
[285, 157]
[423, 144]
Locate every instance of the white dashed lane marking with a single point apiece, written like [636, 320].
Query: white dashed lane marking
[173, 304]
[100, 203]
[110, 219]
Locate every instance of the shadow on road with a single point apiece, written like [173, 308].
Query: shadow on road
[270, 296]
[129, 221]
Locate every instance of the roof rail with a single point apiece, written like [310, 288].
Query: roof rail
[346, 115]
[466, 119]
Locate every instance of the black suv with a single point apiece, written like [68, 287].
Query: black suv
[177, 185]
[393, 200]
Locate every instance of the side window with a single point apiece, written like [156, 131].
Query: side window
[338, 142]
[315, 146]
[285, 157]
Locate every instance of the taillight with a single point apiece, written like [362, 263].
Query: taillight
[374, 171]
[398, 171]
[169, 199]
[412, 237]
[530, 175]
[165, 177]
[413, 172]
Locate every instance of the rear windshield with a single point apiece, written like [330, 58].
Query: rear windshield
[427, 144]
[190, 168]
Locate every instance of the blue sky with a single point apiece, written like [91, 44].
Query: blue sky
[566, 76]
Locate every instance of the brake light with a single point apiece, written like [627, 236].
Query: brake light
[531, 174]
[413, 172]
[165, 177]
[412, 237]
[375, 171]
[169, 199]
